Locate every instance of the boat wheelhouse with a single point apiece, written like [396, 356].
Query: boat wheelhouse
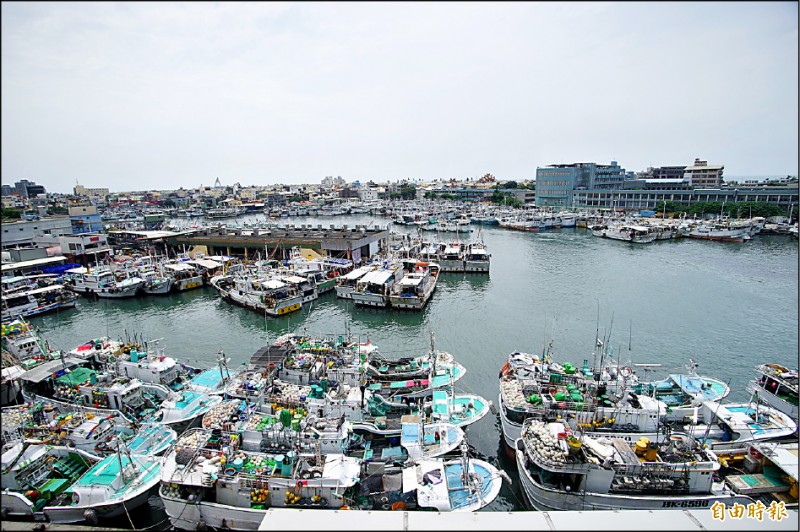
[777, 386]
[373, 289]
[346, 284]
[184, 275]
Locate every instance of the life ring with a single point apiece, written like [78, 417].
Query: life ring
[505, 368]
[755, 454]
[345, 507]
[399, 505]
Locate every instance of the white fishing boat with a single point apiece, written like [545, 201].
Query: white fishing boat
[415, 288]
[533, 388]
[373, 289]
[734, 426]
[463, 484]
[777, 386]
[562, 470]
[101, 281]
[637, 234]
[208, 479]
[451, 257]
[113, 487]
[184, 275]
[154, 282]
[306, 289]
[36, 301]
[53, 423]
[36, 476]
[258, 292]
[476, 258]
[346, 284]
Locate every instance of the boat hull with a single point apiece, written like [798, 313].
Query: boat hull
[75, 514]
[545, 499]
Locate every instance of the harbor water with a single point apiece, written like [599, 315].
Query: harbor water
[726, 306]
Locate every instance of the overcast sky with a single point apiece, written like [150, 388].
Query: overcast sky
[137, 96]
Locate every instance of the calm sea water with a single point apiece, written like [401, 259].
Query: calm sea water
[727, 306]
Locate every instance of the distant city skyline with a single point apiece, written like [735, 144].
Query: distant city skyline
[157, 96]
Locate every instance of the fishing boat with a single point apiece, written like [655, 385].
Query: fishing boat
[463, 484]
[374, 288]
[415, 288]
[46, 422]
[767, 472]
[777, 386]
[418, 441]
[346, 284]
[113, 487]
[36, 301]
[637, 234]
[531, 387]
[734, 426]
[36, 476]
[563, 470]
[451, 257]
[101, 281]
[184, 276]
[183, 409]
[154, 282]
[476, 258]
[208, 479]
[722, 231]
[304, 286]
[258, 292]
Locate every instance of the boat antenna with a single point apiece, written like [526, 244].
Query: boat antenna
[597, 342]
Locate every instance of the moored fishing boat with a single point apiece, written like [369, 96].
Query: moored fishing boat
[259, 293]
[560, 470]
[734, 426]
[777, 386]
[101, 281]
[36, 301]
[113, 487]
[416, 287]
[373, 289]
[638, 234]
[208, 478]
[35, 476]
[463, 484]
[345, 284]
[476, 258]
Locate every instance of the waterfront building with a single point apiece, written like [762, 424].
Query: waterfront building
[635, 200]
[356, 244]
[556, 183]
[24, 232]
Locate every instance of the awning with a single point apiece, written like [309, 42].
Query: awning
[40, 373]
[206, 263]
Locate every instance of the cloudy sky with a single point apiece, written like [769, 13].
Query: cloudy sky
[136, 96]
